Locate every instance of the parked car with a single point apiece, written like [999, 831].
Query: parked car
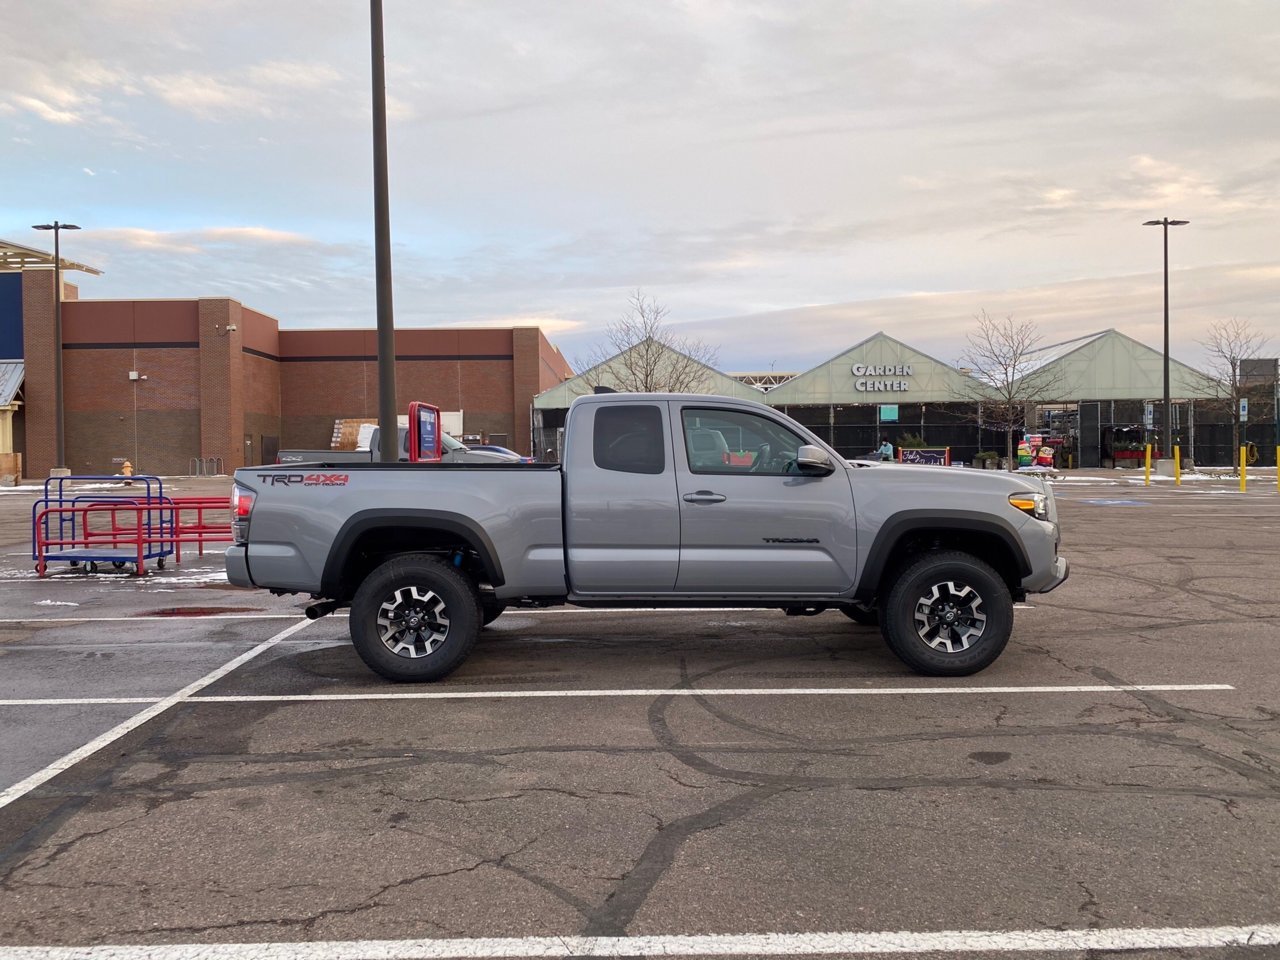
[426, 555]
[452, 451]
[494, 448]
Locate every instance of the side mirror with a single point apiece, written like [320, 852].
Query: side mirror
[811, 459]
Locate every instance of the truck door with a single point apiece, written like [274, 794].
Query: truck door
[750, 522]
[622, 526]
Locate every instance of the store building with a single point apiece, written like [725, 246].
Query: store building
[166, 383]
[883, 387]
[1105, 405]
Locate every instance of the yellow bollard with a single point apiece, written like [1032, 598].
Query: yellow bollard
[1243, 454]
[1177, 465]
[1147, 480]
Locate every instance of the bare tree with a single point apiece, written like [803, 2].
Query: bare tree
[1227, 344]
[640, 354]
[1010, 375]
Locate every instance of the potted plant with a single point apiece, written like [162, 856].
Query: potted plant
[987, 459]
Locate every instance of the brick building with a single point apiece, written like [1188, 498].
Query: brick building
[161, 382]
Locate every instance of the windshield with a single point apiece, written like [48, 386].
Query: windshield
[448, 443]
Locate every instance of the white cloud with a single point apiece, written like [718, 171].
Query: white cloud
[293, 74]
[189, 242]
[45, 111]
[204, 95]
[550, 325]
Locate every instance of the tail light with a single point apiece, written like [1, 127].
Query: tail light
[241, 506]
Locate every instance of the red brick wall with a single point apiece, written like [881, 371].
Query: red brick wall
[154, 423]
[332, 374]
[553, 367]
[208, 386]
[222, 397]
[38, 391]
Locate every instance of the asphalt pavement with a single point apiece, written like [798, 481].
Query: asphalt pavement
[185, 767]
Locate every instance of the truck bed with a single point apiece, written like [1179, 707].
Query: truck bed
[307, 514]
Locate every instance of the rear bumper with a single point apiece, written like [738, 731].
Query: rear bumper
[238, 566]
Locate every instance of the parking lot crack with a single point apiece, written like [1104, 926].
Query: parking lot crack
[1262, 768]
[613, 916]
[1090, 906]
[59, 850]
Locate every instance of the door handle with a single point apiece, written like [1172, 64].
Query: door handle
[704, 496]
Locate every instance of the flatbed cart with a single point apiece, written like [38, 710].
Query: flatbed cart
[63, 531]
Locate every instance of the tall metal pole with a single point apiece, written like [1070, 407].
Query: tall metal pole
[58, 437]
[1166, 223]
[1168, 422]
[388, 434]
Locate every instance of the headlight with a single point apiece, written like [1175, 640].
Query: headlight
[1035, 504]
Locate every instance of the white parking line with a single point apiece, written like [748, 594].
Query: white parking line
[712, 945]
[650, 692]
[74, 702]
[23, 787]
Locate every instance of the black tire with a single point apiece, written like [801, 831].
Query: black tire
[948, 614]
[424, 592]
[160, 563]
[867, 616]
[118, 564]
[491, 610]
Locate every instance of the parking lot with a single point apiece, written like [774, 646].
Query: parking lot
[184, 765]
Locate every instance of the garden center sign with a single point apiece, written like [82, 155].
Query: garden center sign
[865, 372]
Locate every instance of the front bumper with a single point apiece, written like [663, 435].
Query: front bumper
[238, 566]
[1061, 570]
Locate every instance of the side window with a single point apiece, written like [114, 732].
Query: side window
[629, 438]
[732, 442]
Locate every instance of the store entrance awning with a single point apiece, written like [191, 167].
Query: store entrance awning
[11, 374]
[15, 256]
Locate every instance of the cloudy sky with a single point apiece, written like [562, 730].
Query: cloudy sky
[786, 176]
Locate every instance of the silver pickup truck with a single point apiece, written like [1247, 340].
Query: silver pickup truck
[662, 500]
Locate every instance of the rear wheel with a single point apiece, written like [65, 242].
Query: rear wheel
[948, 614]
[415, 619]
[491, 610]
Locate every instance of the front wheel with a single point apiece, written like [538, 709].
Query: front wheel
[949, 614]
[867, 616]
[415, 619]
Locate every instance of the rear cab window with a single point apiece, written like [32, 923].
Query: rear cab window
[629, 438]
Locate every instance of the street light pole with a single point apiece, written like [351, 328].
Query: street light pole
[388, 432]
[1168, 411]
[58, 433]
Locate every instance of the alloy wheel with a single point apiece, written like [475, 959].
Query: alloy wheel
[950, 617]
[413, 622]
